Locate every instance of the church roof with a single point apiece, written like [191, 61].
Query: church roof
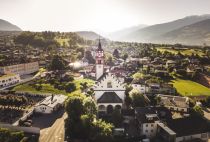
[100, 78]
[109, 97]
[99, 46]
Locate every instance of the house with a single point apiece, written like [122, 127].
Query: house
[190, 128]
[140, 87]
[170, 63]
[109, 91]
[153, 88]
[147, 119]
[9, 79]
[174, 103]
[50, 104]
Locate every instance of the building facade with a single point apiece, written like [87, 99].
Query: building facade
[9, 79]
[21, 69]
[109, 91]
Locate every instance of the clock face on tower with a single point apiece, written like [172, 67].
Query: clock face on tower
[99, 54]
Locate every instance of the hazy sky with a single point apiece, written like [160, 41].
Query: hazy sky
[97, 15]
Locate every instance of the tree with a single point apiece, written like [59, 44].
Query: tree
[81, 122]
[197, 111]
[83, 86]
[70, 87]
[128, 100]
[89, 57]
[116, 53]
[74, 107]
[138, 99]
[101, 131]
[57, 63]
[125, 56]
[90, 106]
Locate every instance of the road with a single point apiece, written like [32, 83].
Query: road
[55, 133]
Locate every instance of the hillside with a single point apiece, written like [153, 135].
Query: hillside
[88, 35]
[119, 35]
[6, 26]
[197, 34]
[149, 33]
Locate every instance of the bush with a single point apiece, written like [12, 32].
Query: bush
[70, 87]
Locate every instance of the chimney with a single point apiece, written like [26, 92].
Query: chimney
[52, 97]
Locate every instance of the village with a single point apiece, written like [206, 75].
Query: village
[102, 90]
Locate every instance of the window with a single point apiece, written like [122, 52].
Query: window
[152, 131]
[146, 131]
[146, 125]
[99, 61]
[109, 84]
[152, 125]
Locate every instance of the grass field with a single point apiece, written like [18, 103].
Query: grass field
[77, 83]
[46, 88]
[185, 51]
[188, 88]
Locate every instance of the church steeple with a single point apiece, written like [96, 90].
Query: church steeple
[99, 61]
[99, 45]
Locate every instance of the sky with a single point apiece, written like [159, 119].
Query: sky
[96, 15]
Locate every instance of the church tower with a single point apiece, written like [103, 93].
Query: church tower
[99, 61]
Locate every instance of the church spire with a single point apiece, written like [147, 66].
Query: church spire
[99, 45]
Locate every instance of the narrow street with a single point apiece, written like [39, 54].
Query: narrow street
[55, 133]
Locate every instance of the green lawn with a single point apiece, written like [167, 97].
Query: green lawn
[77, 83]
[185, 52]
[188, 88]
[46, 88]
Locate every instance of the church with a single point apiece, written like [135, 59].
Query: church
[109, 91]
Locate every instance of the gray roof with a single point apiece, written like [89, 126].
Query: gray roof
[167, 129]
[109, 97]
[188, 126]
[146, 114]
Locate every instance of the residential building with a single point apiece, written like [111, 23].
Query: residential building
[21, 69]
[189, 128]
[50, 104]
[174, 103]
[147, 119]
[9, 79]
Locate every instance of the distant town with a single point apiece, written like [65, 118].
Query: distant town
[58, 87]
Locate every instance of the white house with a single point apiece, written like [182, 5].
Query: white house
[141, 88]
[109, 91]
[147, 120]
[9, 79]
[50, 104]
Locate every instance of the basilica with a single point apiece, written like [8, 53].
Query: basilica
[109, 91]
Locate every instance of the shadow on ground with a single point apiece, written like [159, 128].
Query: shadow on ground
[46, 120]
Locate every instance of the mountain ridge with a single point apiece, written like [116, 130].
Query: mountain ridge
[7, 26]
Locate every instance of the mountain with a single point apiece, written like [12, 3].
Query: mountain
[119, 35]
[149, 33]
[6, 26]
[194, 34]
[88, 35]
